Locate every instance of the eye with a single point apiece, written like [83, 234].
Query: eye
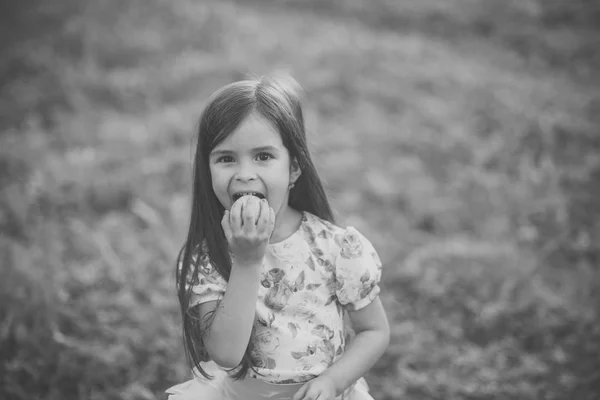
[225, 159]
[264, 156]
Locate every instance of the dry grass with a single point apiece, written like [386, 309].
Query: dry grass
[452, 133]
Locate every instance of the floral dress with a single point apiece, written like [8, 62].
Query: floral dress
[306, 282]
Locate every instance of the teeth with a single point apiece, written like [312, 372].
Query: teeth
[241, 194]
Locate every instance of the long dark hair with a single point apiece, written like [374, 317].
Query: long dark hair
[278, 100]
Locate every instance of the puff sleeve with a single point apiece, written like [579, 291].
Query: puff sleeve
[357, 270]
[208, 284]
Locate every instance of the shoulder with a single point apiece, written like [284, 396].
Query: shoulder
[347, 242]
[319, 233]
[322, 228]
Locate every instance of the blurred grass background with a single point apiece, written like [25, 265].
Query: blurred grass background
[461, 136]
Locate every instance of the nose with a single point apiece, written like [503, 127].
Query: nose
[245, 172]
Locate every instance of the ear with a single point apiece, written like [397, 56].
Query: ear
[295, 170]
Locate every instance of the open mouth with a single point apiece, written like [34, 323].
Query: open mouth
[237, 195]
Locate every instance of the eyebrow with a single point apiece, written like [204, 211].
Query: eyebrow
[255, 150]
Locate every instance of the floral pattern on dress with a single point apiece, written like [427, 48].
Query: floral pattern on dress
[350, 244]
[263, 353]
[211, 285]
[279, 288]
[207, 284]
[306, 282]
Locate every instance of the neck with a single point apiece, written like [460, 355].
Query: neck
[287, 222]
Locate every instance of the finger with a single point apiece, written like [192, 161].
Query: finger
[225, 224]
[311, 395]
[301, 393]
[235, 216]
[253, 206]
[263, 217]
[261, 210]
[243, 202]
[250, 214]
[316, 395]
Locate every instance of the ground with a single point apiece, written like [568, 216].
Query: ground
[460, 136]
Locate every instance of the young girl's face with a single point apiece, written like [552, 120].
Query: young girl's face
[253, 159]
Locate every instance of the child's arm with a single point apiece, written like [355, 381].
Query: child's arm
[247, 227]
[369, 344]
[229, 331]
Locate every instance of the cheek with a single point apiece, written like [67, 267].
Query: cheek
[220, 185]
[278, 189]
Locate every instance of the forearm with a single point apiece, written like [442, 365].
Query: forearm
[361, 354]
[231, 325]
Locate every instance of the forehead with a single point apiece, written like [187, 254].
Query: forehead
[253, 131]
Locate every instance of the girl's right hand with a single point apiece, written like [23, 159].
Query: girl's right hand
[248, 226]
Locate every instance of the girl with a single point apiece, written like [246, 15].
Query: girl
[265, 277]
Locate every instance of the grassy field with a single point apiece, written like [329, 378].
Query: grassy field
[461, 136]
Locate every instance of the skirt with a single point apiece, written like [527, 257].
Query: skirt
[222, 387]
